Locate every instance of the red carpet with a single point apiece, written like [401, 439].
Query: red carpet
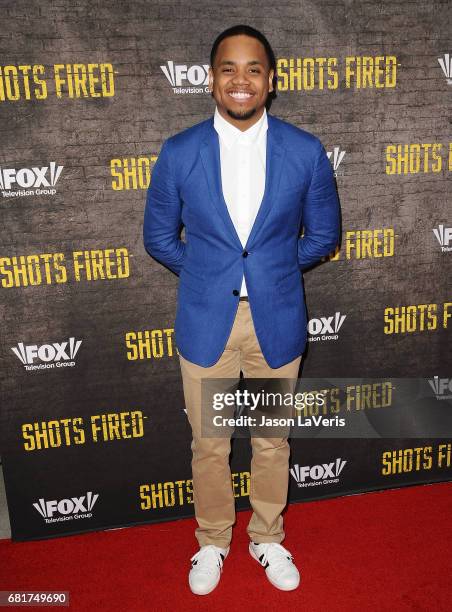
[384, 551]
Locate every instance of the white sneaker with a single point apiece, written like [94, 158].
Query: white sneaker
[279, 567]
[206, 568]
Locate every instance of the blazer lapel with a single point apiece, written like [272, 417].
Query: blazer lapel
[210, 155]
[274, 161]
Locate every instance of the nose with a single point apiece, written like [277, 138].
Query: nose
[240, 77]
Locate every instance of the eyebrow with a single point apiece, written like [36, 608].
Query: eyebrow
[230, 62]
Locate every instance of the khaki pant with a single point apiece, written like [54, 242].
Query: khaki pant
[212, 486]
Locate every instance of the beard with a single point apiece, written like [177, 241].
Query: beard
[243, 115]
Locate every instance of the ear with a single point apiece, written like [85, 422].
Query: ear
[210, 78]
[270, 80]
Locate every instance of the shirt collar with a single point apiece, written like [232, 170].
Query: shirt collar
[229, 133]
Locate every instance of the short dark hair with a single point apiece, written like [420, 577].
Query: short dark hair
[248, 31]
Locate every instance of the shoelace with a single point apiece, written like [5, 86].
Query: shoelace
[275, 554]
[207, 558]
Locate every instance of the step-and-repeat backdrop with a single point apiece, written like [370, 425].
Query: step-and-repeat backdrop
[94, 433]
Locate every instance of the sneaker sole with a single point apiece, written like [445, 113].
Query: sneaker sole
[281, 588]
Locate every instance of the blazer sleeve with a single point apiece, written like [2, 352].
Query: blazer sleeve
[320, 213]
[162, 216]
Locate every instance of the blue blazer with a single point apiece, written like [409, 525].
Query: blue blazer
[186, 187]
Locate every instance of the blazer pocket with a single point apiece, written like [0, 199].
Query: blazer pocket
[291, 190]
[290, 281]
[192, 280]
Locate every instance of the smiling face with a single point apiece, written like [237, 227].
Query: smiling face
[241, 80]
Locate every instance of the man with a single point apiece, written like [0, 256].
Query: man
[243, 183]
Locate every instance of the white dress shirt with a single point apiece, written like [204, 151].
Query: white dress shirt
[243, 159]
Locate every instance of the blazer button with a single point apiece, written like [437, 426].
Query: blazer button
[235, 292]
[245, 254]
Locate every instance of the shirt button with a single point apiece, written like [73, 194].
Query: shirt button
[245, 254]
[235, 292]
